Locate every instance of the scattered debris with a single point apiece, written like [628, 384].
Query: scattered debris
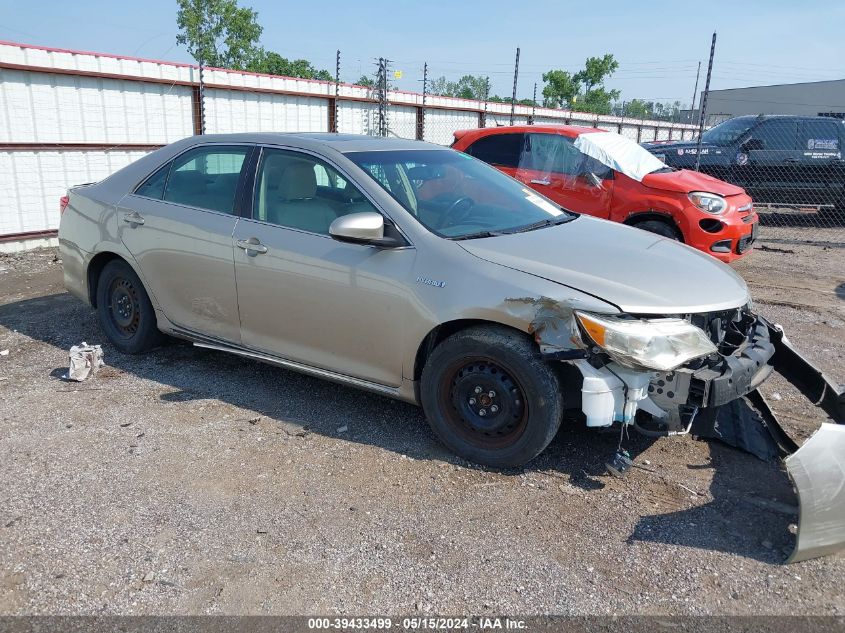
[775, 396]
[85, 361]
[149, 577]
[342, 429]
[772, 249]
[4, 352]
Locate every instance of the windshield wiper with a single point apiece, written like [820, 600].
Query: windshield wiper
[477, 235]
[544, 223]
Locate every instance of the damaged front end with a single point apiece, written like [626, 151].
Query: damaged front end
[713, 394]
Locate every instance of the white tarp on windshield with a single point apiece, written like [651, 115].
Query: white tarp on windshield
[619, 153]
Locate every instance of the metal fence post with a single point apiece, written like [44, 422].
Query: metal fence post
[703, 112]
[334, 124]
[421, 110]
[515, 77]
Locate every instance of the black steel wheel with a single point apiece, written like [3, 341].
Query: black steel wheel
[126, 315]
[489, 396]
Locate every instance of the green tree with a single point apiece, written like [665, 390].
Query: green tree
[596, 70]
[367, 82]
[274, 64]
[560, 89]
[467, 87]
[219, 33]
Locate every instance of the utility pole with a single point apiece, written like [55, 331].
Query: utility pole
[515, 77]
[694, 93]
[533, 106]
[335, 122]
[703, 114]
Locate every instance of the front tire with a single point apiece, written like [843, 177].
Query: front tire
[660, 228]
[124, 309]
[490, 398]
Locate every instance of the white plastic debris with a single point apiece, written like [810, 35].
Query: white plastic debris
[85, 361]
[4, 352]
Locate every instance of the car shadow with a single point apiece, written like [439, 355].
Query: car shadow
[298, 404]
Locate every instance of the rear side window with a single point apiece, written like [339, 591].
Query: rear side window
[820, 136]
[207, 177]
[777, 134]
[153, 187]
[498, 149]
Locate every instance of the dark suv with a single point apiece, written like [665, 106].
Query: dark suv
[777, 159]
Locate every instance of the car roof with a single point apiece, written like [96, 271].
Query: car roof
[571, 131]
[801, 117]
[313, 140]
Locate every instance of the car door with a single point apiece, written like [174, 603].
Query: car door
[552, 165]
[766, 163]
[178, 225]
[307, 297]
[821, 169]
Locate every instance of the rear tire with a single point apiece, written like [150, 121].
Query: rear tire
[124, 309]
[490, 398]
[660, 228]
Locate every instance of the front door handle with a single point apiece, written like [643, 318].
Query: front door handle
[792, 160]
[541, 182]
[134, 218]
[252, 245]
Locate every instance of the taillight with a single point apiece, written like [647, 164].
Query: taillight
[63, 202]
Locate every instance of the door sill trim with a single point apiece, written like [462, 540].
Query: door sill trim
[326, 374]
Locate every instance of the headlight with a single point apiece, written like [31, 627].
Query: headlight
[708, 202]
[657, 344]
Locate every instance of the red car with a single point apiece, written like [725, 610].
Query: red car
[604, 174]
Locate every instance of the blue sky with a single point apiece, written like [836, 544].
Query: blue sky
[658, 44]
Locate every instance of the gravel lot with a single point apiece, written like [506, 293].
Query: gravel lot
[189, 481]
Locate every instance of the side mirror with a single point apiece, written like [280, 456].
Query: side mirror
[752, 144]
[366, 227]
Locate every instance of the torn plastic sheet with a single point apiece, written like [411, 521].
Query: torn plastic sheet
[85, 361]
[619, 153]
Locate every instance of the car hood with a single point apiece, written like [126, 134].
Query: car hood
[686, 180]
[637, 271]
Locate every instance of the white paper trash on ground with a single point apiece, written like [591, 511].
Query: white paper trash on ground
[85, 361]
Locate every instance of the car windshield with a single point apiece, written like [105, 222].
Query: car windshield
[457, 196]
[727, 132]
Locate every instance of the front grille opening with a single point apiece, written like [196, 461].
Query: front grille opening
[711, 225]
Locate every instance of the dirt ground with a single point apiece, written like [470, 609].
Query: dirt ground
[190, 481]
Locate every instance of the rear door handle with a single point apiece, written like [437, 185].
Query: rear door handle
[133, 218]
[541, 182]
[252, 245]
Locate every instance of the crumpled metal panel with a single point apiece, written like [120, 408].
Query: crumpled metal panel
[817, 470]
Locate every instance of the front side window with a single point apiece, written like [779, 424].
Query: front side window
[556, 154]
[456, 196]
[207, 177]
[503, 150]
[776, 134]
[728, 131]
[302, 192]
